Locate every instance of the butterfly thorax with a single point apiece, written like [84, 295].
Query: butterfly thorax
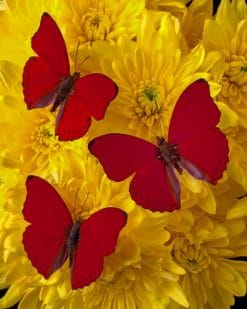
[73, 237]
[64, 89]
[169, 154]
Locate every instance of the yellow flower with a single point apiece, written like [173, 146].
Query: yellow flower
[227, 34]
[101, 20]
[150, 80]
[204, 246]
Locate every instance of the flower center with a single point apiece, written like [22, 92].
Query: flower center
[234, 80]
[236, 70]
[147, 99]
[43, 137]
[96, 25]
[147, 92]
[192, 257]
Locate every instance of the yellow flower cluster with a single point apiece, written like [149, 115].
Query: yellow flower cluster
[194, 257]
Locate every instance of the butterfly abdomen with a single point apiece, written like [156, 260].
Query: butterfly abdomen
[64, 89]
[73, 237]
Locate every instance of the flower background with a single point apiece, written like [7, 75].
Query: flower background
[153, 49]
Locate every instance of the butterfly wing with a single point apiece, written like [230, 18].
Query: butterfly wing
[203, 146]
[151, 188]
[90, 97]
[98, 238]
[73, 119]
[45, 238]
[122, 155]
[49, 44]
[39, 83]
[42, 75]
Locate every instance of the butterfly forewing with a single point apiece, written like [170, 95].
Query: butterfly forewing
[121, 155]
[49, 44]
[45, 238]
[194, 112]
[193, 129]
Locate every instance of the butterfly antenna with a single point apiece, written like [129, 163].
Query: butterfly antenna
[152, 132]
[157, 110]
[82, 62]
[77, 48]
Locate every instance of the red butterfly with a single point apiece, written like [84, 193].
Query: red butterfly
[52, 235]
[194, 143]
[47, 79]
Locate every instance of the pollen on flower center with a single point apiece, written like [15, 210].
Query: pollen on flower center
[147, 92]
[96, 25]
[147, 96]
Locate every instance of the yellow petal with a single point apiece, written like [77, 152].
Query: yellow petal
[239, 210]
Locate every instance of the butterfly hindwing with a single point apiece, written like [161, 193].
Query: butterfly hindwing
[45, 238]
[73, 119]
[98, 238]
[96, 91]
[90, 97]
[151, 188]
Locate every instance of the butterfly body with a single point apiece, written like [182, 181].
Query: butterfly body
[65, 88]
[53, 236]
[47, 80]
[194, 143]
[169, 154]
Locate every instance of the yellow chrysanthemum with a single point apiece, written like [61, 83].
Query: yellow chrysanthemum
[150, 80]
[205, 247]
[101, 20]
[141, 272]
[227, 34]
